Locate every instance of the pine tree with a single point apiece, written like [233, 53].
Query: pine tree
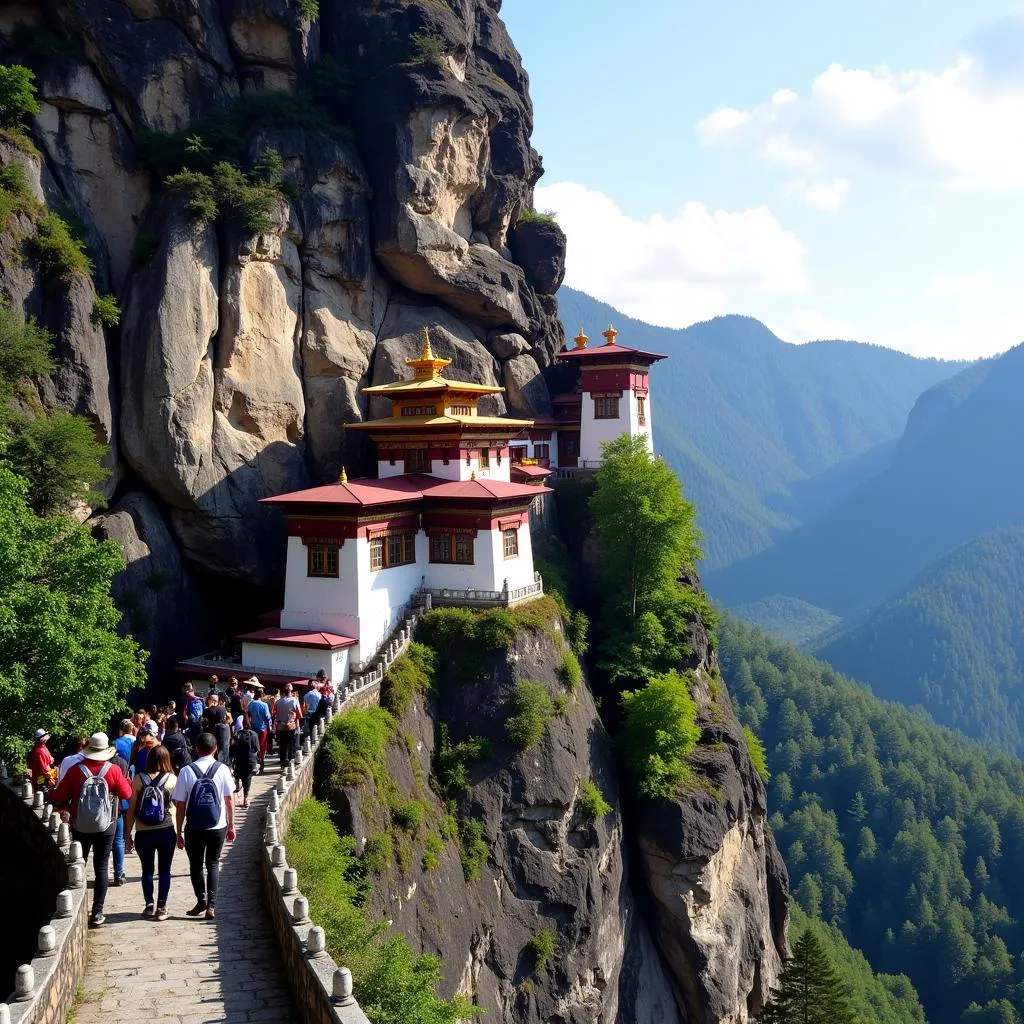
[809, 990]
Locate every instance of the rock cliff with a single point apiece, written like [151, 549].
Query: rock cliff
[404, 131]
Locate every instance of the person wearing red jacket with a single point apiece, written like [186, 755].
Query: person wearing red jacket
[96, 754]
[40, 761]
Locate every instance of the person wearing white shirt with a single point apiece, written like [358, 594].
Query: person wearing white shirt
[203, 841]
[72, 759]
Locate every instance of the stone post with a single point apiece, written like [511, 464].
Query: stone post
[291, 882]
[76, 875]
[341, 987]
[64, 836]
[316, 943]
[46, 941]
[5, 1014]
[270, 835]
[273, 804]
[75, 853]
[300, 910]
[38, 801]
[65, 903]
[280, 787]
[24, 982]
[277, 856]
[26, 792]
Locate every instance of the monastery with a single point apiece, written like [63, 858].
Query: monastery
[447, 520]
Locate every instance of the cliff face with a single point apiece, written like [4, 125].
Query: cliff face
[240, 355]
[668, 911]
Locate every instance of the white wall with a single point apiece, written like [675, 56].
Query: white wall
[519, 570]
[382, 594]
[593, 432]
[457, 469]
[455, 576]
[296, 661]
[314, 602]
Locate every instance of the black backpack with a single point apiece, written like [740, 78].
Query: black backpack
[177, 746]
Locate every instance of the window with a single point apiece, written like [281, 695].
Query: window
[322, 560]
[542, 453]
[641, 410]
[510, 541]
[518, 453]
[451, 546]
[485, 458]
[606, 407]
[419, 410]
[392, 549]
[460, 410]
[416, 460]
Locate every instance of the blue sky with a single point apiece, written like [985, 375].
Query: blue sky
[845, 170]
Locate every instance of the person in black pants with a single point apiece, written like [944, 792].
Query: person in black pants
[245, 758]
[205, 821]
[216, 716]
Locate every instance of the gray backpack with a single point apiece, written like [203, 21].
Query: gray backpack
[96, 812]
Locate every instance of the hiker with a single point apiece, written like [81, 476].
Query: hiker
[310, 704]
[144, 743]
[245, 756]
[40, 761]
[73, 756]
[289, 718]
[214, 690]
[90, 792]
[192, 709]
[216, 718]
[259, 715]
[204, 809]
[125, 742]
[177, 745]
[149, 814]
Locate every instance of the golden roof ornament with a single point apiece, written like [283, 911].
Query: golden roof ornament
[581, 339]
[428, 366]
[343, 476]
[610, 335]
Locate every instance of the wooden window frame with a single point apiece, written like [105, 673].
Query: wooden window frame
[382, 549]
[606, 407]
[452, 547]
[419, 410]
[542, 452]
[330, 556]
[510, 534]
[641, 410]
[485, 458]
[417, 460]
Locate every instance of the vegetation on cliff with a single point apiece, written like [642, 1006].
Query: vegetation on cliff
[905, 836]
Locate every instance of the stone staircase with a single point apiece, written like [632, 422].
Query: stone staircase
[371, 672]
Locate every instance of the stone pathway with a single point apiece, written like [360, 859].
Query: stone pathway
[184, 971]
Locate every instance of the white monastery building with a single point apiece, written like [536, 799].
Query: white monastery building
[446, 520]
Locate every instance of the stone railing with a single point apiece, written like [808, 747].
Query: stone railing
[373, 670]
[322, 990]
[44, 988]
[488, 598]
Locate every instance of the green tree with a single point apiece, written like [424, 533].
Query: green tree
[24, 352]
[62, 664]
[809, 990]
[17, 95]
[59, 457]
[646, 529]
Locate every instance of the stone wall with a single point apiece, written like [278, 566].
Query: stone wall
[45, 986]
[322, 991]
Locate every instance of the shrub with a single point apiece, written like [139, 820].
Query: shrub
[473, 848]
[541, 947]
[592, 801]
[453, 763]
[377, 852]
[144, 248]
[569, 672]
[408, 814]
[310, 9]
[496, 629]
[758, 758]
[428, 48]
[532, 709]
[13, 180]
[24, 352]
[432, 852]
[60, 254]
[411, 674]
[561, 703]
[352, 748]
[17, 95]
[105, 311]
[577, 628]
[533, 217]
[446, 629]
[659, 730]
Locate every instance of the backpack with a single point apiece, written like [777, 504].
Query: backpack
[205, 800]
[180, 754]
[96, 811]
[287, 712]
[153, 800]
[195, 710]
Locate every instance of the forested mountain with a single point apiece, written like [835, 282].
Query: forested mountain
[953, 641]
[750, 422]
[906, 836]
[957, 473]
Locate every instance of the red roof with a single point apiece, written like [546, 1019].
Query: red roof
[614, 352]
[406, 489]
[199, 671]
[531, 472]
[298, 638]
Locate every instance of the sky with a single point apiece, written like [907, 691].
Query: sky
[837, 170]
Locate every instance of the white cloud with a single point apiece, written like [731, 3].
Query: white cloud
[673, 270]
[823, 197]
[961, 126]
[812, 325]
[961, 284]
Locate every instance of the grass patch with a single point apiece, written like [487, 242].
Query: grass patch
[453, 762]
[432, 852]
[410, 675]
[570, 672]
[392, 983]
[408, 814]
[473, 848]
[377, 852]
[533, 217]
[59, 253]
[19, 140]
[105, 311]
[541, 947]
[352, 749]
[531, 710]
[592, 801]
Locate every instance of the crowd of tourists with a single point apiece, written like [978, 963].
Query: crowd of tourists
[170, 781]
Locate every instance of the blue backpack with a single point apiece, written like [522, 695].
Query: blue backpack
[204, 801]
[195, 710]
[153, 800]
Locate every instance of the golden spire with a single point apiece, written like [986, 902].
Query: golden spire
[428, 366]
[581, 339]
[343, 476]
[472, 476]
[610, 335]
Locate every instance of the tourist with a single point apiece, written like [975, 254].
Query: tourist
[288, 720]
[149, 814]
[216, 719]
[259, 715]
[118, 850]
[177, 745]
[144, 743]
[214, 690]
[310, 703]
[125, 742]
[90, 793]
[235, 699]
[192, 708]
[40, 761]
[245, 757]
[72, 757]
[326, 700]
[204, 816]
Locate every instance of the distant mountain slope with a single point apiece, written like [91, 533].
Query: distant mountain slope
[787, 619]
[953, 641]
[958, 473]
[747, 419]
